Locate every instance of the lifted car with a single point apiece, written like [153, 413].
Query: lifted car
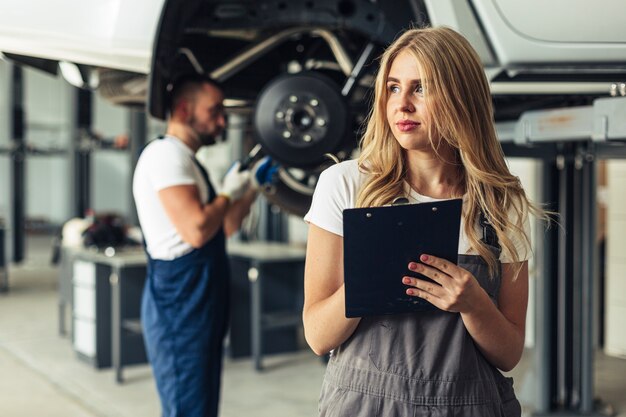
[305, 67]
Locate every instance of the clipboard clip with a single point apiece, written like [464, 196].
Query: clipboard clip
[398, 201]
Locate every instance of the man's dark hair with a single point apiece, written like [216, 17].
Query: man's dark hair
[184, 84]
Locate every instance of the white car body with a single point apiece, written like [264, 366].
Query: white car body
[537, 54]
[111, 33]
[508, 34]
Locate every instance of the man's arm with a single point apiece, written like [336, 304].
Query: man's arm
[238, 211]
[196, 223]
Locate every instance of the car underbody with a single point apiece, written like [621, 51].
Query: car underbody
[302, 70]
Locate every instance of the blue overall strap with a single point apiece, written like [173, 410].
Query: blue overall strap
[205, 175]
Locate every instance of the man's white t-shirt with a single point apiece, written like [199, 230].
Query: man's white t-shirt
[337, 189]
[164, 163]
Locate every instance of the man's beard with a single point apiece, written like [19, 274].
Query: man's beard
[205, 139]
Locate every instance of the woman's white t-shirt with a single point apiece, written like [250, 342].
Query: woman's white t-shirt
[164, 163]
[337, 189]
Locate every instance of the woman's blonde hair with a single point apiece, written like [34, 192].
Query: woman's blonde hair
[458, 100]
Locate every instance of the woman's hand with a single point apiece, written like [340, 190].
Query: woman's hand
[497, 330]
[455, 289]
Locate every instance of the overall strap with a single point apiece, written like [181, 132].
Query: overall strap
[205, 175]
[490, 237]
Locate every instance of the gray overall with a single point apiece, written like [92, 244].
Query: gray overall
[418, 364]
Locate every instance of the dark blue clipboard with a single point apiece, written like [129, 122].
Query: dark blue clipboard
[379, 243]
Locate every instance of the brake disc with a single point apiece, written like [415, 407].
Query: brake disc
[301, 117]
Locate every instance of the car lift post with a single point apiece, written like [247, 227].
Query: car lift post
[18, 164]
[566, 300]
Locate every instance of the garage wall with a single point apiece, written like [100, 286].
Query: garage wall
[110, 168]
[49, 115]
[47, 107]
[615, 261]
[527, 169]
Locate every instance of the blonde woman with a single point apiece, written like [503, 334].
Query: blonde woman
[430, 136]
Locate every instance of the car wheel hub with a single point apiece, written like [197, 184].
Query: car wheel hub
[300, 118]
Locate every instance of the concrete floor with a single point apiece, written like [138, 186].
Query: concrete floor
[40, 374]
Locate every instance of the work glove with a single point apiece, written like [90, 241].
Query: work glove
[235, 182]
[264, 173]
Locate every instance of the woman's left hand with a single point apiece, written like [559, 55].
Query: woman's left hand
[458, 290]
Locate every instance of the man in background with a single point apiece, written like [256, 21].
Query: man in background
[185, 223]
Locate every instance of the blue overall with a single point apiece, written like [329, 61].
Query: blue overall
[184, 314]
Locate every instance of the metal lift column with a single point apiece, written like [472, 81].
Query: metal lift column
[565, 348]
[82, 152]
[18, 164]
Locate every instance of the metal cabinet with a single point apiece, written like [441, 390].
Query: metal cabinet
[106, 300]
[91, 313]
